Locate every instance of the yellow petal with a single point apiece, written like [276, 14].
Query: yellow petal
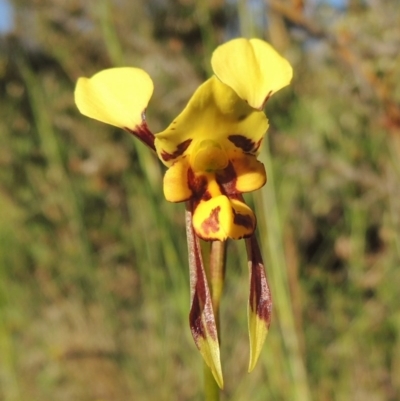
[220, 218]
[215, 114]
[116, 96]
[176, 182]
[252, 68]
[249, 171]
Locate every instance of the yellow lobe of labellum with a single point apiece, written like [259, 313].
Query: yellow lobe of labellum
[249, 171]
[252, 68]
[116, 96]
[220, 218]
[176, 188]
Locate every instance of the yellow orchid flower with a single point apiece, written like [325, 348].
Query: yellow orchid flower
[210, 150]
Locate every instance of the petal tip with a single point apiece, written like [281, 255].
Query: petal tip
[256, 344]
[209, 350]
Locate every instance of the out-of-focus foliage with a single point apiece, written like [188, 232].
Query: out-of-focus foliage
[93, 271]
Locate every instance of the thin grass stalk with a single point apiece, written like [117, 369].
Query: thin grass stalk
[110, 36]
[203, 18]
[9, 385]
[56, 172]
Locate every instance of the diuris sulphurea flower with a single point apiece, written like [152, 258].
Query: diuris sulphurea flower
[210, 150]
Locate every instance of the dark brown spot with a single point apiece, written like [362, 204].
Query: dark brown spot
[226, 180]
[196, 325]
[242, 220]
[180, 149]
[240, 141]
[197, 184]
[242, 117]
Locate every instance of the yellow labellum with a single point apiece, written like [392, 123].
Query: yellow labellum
[252, 68]
[116, 96]
[250, 173]
[176, 188]
[220, 218]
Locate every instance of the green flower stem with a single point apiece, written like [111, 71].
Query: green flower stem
[211, 389]
[215, 277]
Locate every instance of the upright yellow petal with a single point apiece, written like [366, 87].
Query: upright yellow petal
[252, 68]
[116, 96]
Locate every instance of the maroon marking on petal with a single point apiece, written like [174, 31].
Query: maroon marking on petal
[206, 196]
[211, 223]
[143, 133]
[197, 184]
[227, 179]
[243, 220]
[246, 144]
[196, 325]
[242, 117]
[260, 293]
[180, 149]
[266, 99]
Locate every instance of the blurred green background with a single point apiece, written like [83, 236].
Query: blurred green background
[94, 293]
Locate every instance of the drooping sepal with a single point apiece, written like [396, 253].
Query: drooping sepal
[260, 303]
[252, 68]
[201, 317]
[119, 97]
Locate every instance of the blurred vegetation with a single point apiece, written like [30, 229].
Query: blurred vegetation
[94, 290]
